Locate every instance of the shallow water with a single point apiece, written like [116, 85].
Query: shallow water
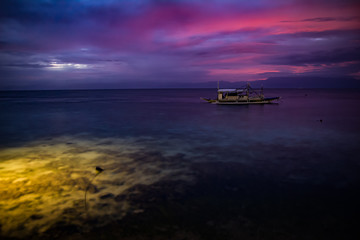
[169, 146]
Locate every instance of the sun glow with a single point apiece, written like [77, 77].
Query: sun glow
[62, 66]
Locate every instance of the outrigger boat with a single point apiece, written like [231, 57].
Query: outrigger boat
[245, 95]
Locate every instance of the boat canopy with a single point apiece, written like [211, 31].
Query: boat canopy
[234, 90]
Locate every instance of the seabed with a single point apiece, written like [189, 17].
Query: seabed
[144, 194]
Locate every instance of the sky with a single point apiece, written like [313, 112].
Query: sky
[91, 44]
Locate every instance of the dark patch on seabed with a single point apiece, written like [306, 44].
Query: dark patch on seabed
[231, 201]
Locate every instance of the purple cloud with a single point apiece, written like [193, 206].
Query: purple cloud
[43, 42]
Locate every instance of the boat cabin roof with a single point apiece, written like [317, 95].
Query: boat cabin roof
[234, 90]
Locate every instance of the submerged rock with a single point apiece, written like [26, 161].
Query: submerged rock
[36, 216]
[120, 197]
[107, 196]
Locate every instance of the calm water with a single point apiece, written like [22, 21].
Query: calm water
[180, 115]
[280, 152]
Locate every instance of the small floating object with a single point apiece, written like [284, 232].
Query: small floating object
[98, 169]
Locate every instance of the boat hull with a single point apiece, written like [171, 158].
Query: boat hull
[264, 101]
[241, 102]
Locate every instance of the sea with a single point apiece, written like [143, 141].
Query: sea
[164, 164]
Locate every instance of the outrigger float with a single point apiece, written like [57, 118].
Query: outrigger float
[245, 95]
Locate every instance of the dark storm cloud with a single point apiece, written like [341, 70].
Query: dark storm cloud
[326, 19]
[350, 36]
[338, 55]
[320, 47]
[31, 12]
[24, 65]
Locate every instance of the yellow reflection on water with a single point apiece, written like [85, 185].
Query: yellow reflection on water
[43, 182]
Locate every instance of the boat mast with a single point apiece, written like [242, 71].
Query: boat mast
[219, 94]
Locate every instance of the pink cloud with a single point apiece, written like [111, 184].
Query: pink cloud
[285, 19]
[247, 70]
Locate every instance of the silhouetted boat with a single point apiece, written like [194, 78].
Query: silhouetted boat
[245, 95]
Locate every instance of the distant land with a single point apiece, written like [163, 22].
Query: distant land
[289, 82]
[273, 82]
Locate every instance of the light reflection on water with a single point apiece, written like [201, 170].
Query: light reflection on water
[43, 183]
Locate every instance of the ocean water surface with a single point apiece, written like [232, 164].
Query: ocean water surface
[179, 168]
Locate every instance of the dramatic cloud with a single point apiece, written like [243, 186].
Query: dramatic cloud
[109, 44]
